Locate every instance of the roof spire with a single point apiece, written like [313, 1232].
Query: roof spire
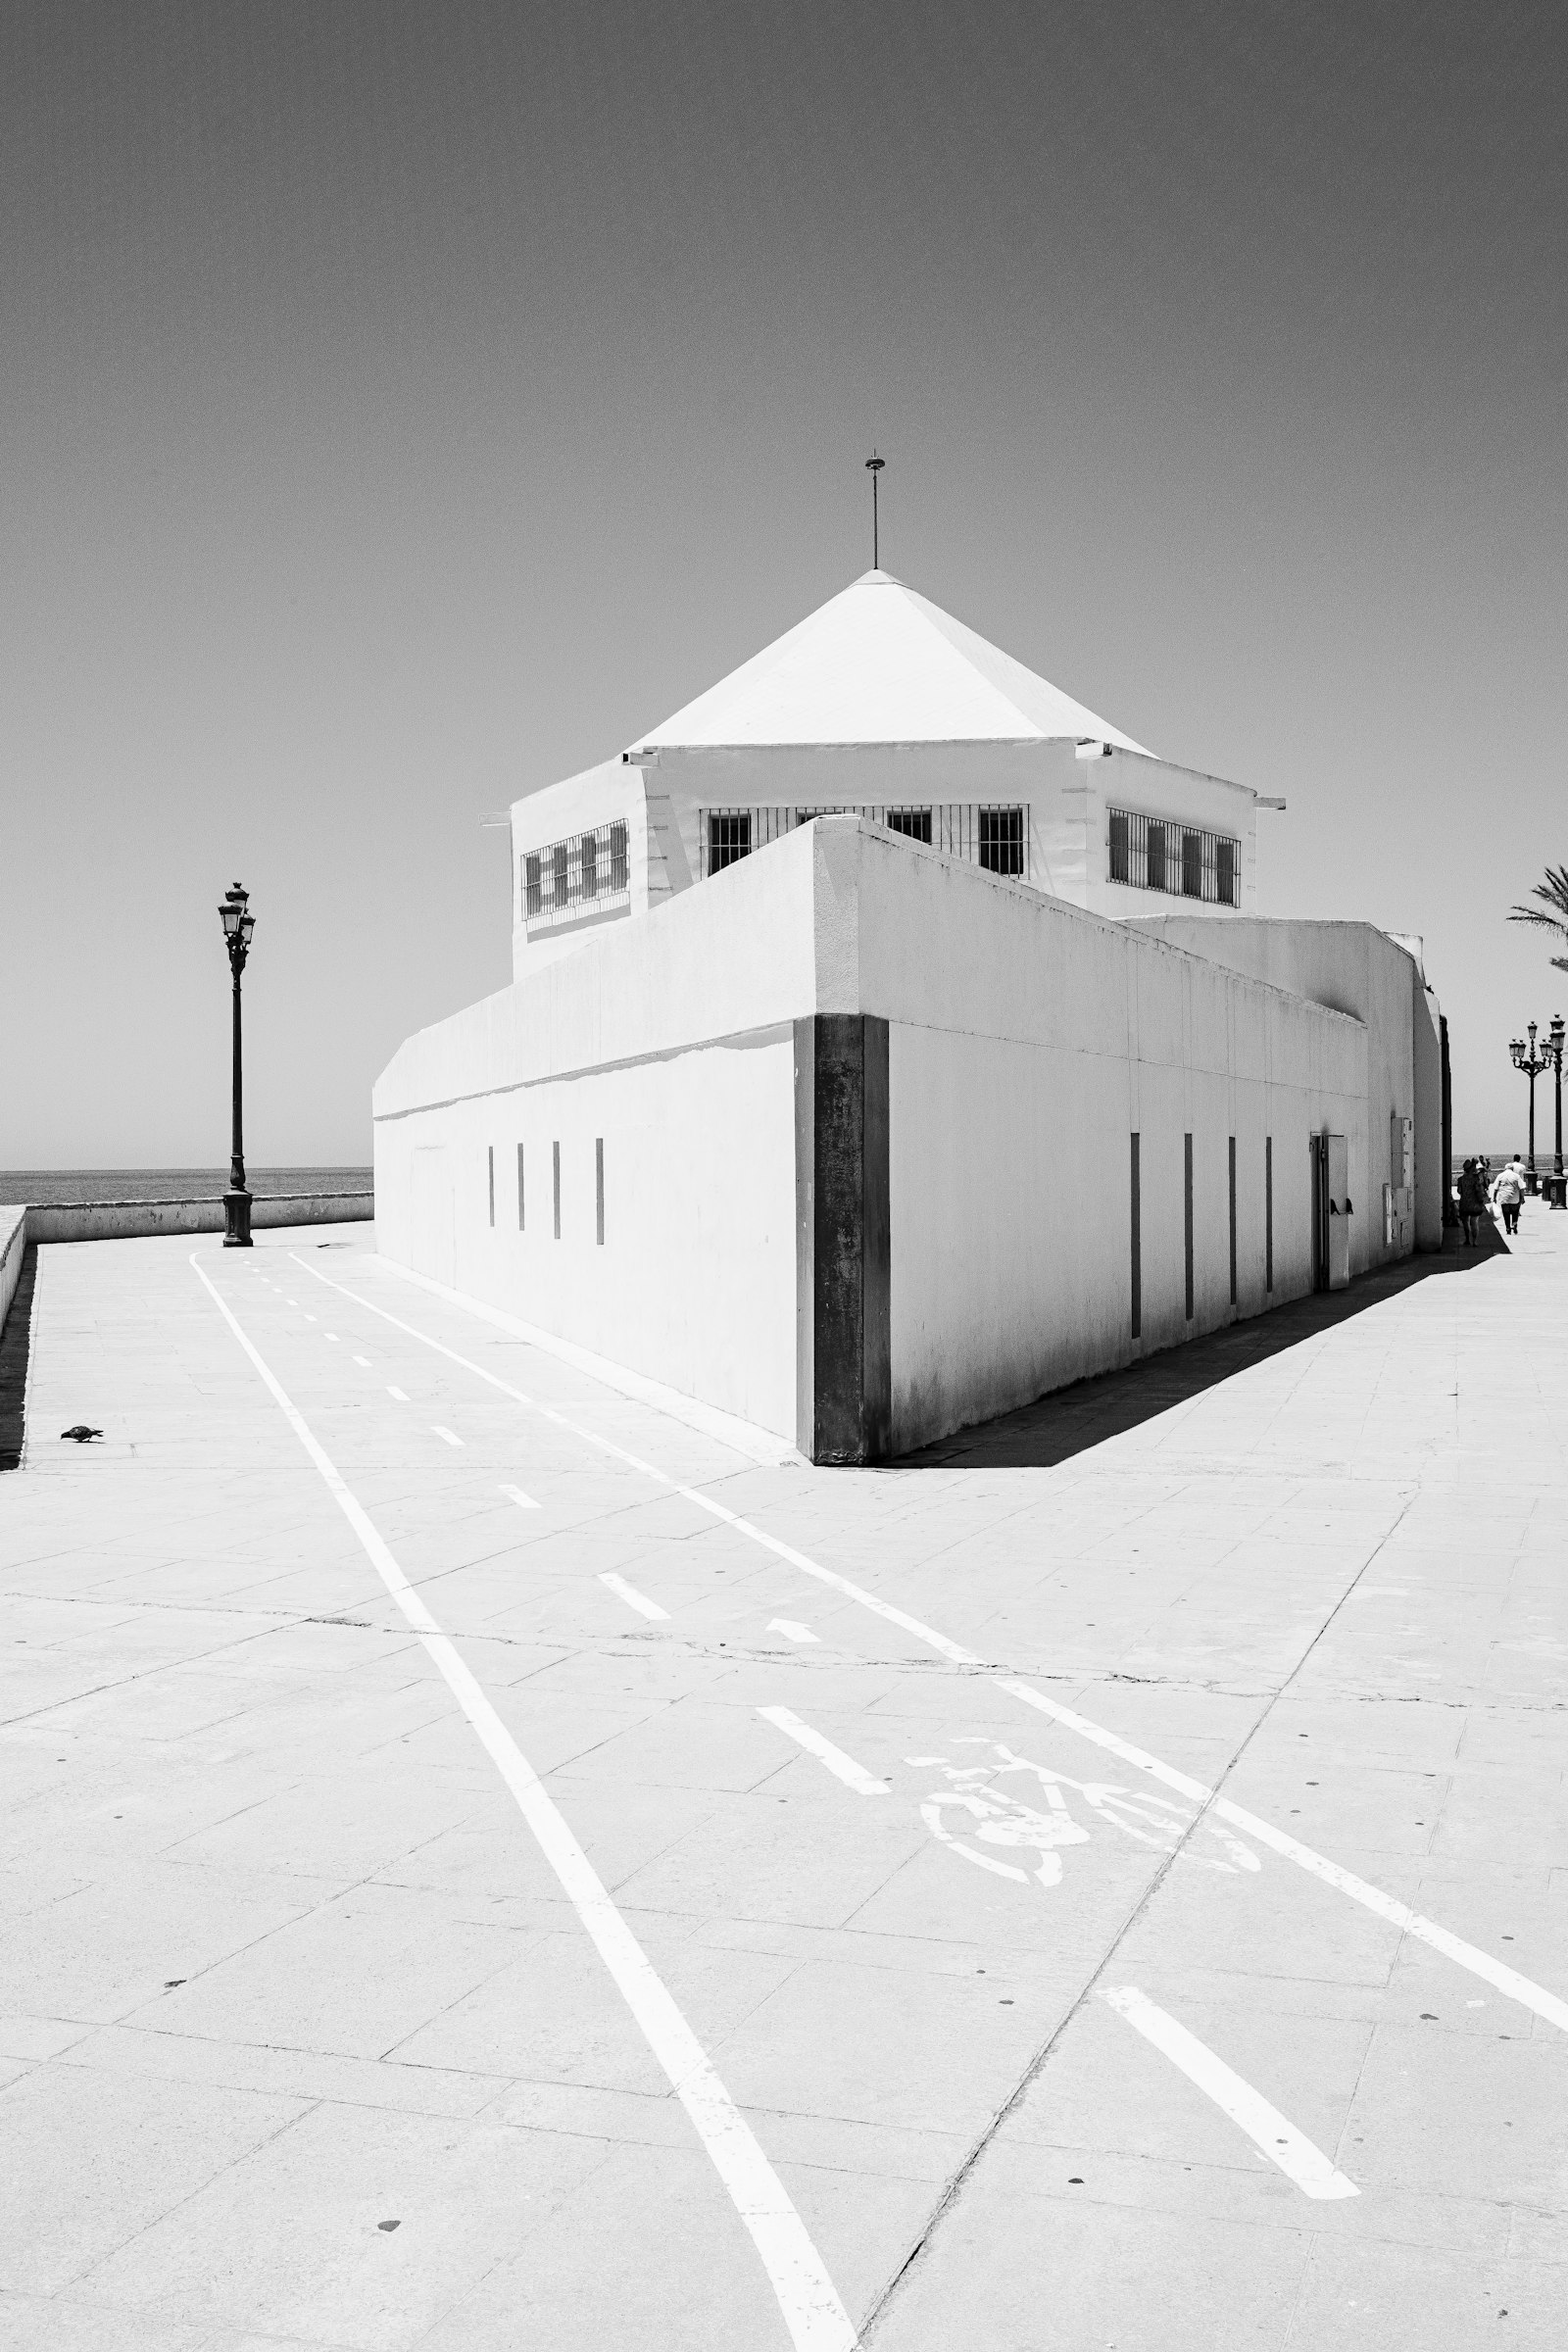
[874, 466]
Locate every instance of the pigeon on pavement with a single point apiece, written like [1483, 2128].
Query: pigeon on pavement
[81, 1432]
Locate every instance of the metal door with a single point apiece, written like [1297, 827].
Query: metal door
[1337, 1160]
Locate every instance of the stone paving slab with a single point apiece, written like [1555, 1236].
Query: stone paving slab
[284, 1964]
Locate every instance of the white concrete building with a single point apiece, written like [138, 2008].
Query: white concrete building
[886, 1127]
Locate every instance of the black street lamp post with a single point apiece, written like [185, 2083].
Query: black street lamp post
[237, 929]
[1532, 1064]
[1557, 1182]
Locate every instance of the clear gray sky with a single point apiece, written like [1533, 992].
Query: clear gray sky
[407, 404]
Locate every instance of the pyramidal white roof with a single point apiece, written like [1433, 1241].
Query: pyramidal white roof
[878, 663]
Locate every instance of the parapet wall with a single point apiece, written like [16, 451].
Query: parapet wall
[12, 1250]
[136, 1220]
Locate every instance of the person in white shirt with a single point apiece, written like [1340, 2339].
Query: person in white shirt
[1508, 1192]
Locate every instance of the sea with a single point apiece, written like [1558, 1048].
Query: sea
[45, 1187]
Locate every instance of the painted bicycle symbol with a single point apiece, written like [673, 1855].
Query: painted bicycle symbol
[998, 1816]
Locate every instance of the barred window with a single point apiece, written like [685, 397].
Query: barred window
[1191, 866]
[729, 837]
[1002, 840]
[1146, 853]
[585, 875]
[915, 822]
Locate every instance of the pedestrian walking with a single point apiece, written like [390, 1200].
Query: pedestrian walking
[1472, 1201]
[1508, 1192]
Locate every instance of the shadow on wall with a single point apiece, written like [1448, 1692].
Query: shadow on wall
[1070, 1420]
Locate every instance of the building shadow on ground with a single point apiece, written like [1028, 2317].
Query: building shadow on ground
[1068, 1421]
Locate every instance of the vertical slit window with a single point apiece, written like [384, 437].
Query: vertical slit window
[555, 1155]
[1137, 1237]
[599, 1190]
[619, 867]
[1225, 863]
[1120, 867]
[1191, 866]
[523, 1197]
[1234, 1301]
[490, 1163]
[588, 860]
[533, 888]
[916, 823]
[1268, 1212]
[1156, 857]
[1187, 1217]
[561, 884]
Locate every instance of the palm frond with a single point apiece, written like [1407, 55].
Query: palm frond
[1553, 894]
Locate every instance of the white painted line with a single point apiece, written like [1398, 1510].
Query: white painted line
[310, 1318]
[816, 2319]
[1400, 1915]
[792, 1630]
[401, 1394]
[1268, 2130]
[450, 1435]
[329, 1334]
[524, 1503]
[631, 1596]
[853, 1775]
[1413, 1923]
[365, 1360]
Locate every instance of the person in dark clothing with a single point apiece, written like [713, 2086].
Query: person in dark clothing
[1472, 1201]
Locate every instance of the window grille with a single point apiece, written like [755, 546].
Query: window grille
[1002, 840]
[568, 877]
[995, 838]
[1149, 853]
[729, 837]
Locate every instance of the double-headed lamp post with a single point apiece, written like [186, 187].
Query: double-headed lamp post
[1551, 1046]
[237, 928]
[1532, 1064]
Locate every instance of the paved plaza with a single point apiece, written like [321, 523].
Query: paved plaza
[489, 1863]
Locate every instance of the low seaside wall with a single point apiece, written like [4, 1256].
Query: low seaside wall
[22, 1222]
[12, 1250]
[136, 1220]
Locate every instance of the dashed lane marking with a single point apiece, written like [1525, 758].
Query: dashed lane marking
[1530, 1996]
[524, 1503]
[807, 2299]
[853, 1775]
[364, 1361]
[631, 1596]
[1268, 2130]
[401, 1394]
[792, 1630]
[450, 1436]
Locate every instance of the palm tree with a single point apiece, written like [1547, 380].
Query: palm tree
[1553, 894]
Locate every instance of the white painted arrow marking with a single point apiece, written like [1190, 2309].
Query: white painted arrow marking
[1268, 2130]
[793, 1632]
[853, 1775]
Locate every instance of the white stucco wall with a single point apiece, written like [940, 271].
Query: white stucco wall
[1027, 1039]
[671, 1038]
[1027, 1042]
[1358, 969]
